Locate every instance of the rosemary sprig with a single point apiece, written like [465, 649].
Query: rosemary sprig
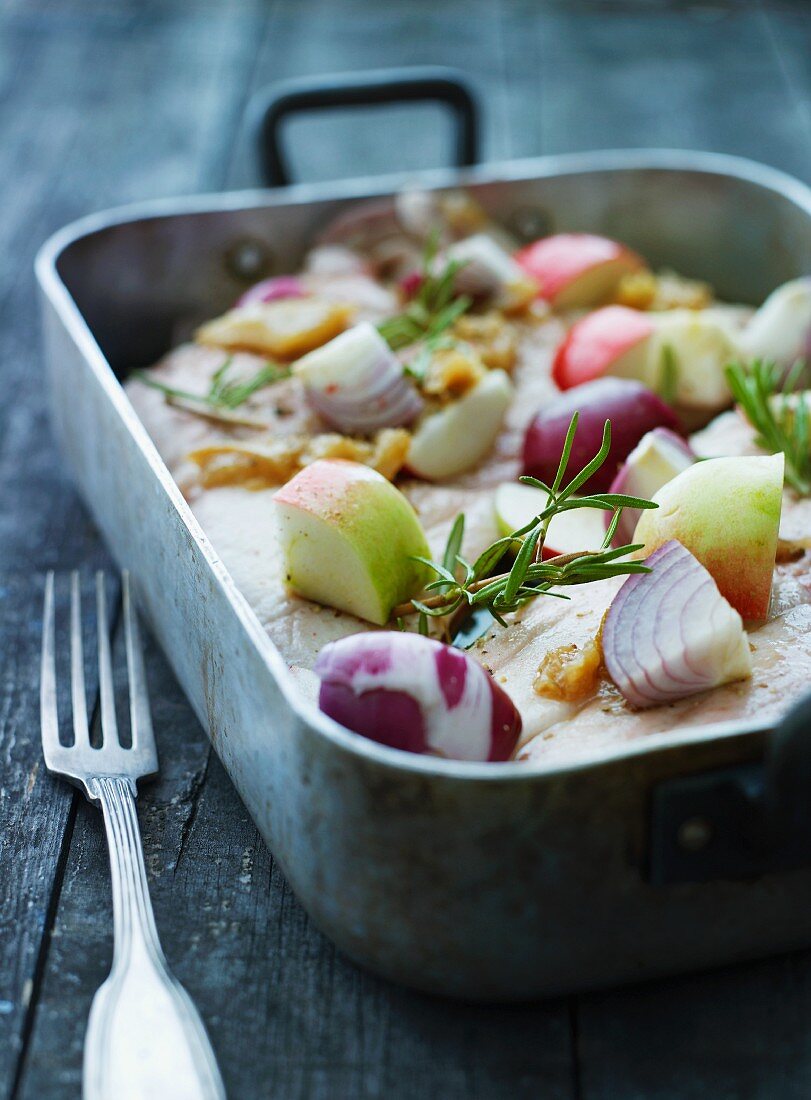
[459, 582]
[778, 413]
[669, 379]
[434, 308]
[223, 393]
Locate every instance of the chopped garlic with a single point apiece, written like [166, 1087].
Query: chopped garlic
[491, 336]
[262, 465]
[666, 290]
[569, 674]
[452, 372]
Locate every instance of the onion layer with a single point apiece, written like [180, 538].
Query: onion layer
[416, 694]
[670, 633]
[274, 289]
[655, 460]
[357, 384]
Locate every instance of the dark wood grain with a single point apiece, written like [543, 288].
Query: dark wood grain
[104, 104]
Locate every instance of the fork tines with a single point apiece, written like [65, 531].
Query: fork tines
[81, 760]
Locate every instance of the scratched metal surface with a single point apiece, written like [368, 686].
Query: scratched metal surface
[557, 78]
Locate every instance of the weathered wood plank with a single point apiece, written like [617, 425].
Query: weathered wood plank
[621, 75]
[68, 100]
[36, 813]
[736, 1033]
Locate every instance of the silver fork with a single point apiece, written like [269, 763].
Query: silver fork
[144, 1038]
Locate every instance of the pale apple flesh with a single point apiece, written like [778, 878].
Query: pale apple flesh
[349, 539]
[726, 512]
[569, 532]
[577, 270]
[781, 329]
[696, 349]
[455, 439]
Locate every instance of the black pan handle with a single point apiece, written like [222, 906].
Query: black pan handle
[740, 821]
[364, 89]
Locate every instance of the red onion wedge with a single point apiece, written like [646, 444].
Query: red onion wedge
[489, 273]
[655, 460]
[670, 633]
[357, 384]
[632, 408]
[416, 694]
[274, 289]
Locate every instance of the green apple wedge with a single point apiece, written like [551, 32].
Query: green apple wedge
[516, 505]
[726, 512]
[348, 539]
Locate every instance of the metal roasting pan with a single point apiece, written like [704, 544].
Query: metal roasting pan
[480, 881]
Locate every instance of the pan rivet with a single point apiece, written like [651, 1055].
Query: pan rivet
[530, 222]
[249, 259]
[694, 834]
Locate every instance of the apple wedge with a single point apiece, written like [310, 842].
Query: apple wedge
[680, 354]
[687, 356]
[349, 539]
[577, 270]
[781, 329]
[569, 532]
[613, 340]
[726, 512]
[456, 438]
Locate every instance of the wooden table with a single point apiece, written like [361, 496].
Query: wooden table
[104, 103]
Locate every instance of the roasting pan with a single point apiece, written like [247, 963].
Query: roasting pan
[481, 881]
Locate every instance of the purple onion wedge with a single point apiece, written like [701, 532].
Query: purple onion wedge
[656, 459]
[416, 694]
[356, 383]
[670, 633]
[273, 290]
[632, 408]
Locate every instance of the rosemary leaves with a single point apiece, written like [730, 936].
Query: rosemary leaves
[778, 413]
[433, 309]
[224, 393]
[458, 582]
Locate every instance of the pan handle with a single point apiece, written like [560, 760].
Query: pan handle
[741, 821]
[364, 89]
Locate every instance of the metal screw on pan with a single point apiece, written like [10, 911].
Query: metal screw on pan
[694, 834]
[529, 223]
[249, 259]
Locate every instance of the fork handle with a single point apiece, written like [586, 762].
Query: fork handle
[144, 1037]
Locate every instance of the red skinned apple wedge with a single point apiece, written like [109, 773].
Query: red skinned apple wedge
[613, 340]
[726, 512]
[349, 539]
[577, 270]
[679, 352]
